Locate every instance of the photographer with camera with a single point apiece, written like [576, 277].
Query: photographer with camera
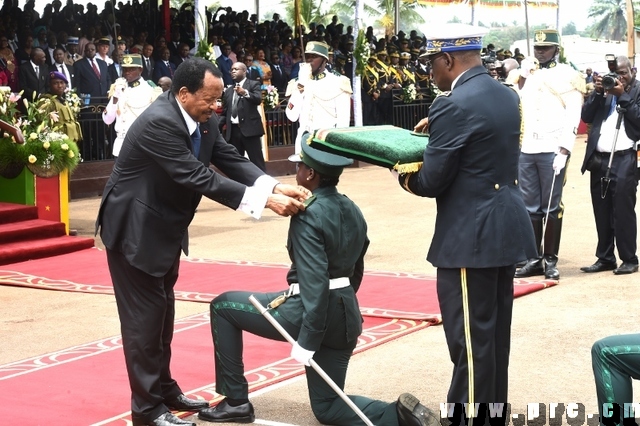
[613, 109]
[551, 98]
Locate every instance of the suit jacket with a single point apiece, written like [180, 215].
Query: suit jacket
[88, 82]
[279, 78]
[70, 70]
[30, 82]
[471, 168]
[157, 183]
[147, 73]
[595, 108]
[163, 70]
[254, 74]
[328, 240]
[113, 72]
[249, 119]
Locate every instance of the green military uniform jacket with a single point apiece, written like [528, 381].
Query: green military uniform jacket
[328, 240]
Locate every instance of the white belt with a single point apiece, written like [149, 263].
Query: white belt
[334, 283]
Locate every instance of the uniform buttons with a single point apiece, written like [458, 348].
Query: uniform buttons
[496, 186]
[515, 181]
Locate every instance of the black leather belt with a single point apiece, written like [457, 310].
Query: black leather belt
[623, 152]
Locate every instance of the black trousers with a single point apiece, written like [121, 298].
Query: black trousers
[251, 145]
[146, 307]
[231, 313]
[476, 306]
[615, 215]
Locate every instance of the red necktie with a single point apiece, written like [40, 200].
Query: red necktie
[95, 68]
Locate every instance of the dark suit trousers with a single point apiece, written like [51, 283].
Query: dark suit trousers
[231, 313]
[615, 214]
[146, 306]
[476, 306]
[249, 144]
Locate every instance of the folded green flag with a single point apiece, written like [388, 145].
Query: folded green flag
[385, 146]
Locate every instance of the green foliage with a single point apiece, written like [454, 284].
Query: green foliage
[611, 19]
[569, 29]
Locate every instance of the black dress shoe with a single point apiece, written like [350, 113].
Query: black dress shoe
[551, 267]
[599, 266]
[182, 403]
[167, 419]
[412, 413]
[626, 268]
[532, 268]
[223, 412]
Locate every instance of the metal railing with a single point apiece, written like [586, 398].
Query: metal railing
[98, 138]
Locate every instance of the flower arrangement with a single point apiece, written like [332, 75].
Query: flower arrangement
[74, 102]
[204, 49]
[45, 152]
[361, 52]
[271, 98]
[409, 93]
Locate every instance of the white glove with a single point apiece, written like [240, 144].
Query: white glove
[301, 355]
[527, 66]
[559, 162]
[117, 91]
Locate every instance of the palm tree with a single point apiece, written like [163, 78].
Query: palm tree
[310, 11]
[611, 18]
[384, 11]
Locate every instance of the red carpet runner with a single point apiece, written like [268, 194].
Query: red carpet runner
[87, 384]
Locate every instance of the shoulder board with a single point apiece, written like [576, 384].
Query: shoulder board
[309, 201]
[335, 72]
[447, 93]
[151, 83]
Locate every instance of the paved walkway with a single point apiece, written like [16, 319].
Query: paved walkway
[552, 330]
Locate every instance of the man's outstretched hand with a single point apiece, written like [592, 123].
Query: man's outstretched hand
[287, 200]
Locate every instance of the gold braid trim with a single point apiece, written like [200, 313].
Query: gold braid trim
[408, 167]
[405, 183]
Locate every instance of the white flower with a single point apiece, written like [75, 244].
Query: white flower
[53, 116]
[32, 159]
[33, 136]
[46, 145]
[64, 146]
[71, 154]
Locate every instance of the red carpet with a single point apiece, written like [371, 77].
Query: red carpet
[383, 294]
[87, 384]
[23, 236]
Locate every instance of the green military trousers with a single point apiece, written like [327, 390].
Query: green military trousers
[231, 313]
[616, 360]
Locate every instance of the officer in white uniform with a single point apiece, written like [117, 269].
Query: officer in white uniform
[318, 98]
[552, 99]
[129, 96]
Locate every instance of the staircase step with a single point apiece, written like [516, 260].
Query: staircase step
[36, 249]
[10, 212]
[31, 229]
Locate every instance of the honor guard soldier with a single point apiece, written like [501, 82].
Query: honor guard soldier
[470, 167]
[407, 70]
[386, 83]
[370, 93]
[423, 72]
[395, 66]
[129, 96]
[551, 105]
[318, 99]
[71, 56]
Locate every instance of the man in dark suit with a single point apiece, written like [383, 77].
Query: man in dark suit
[150, 199]
[278, 77]
[184, 53]
[60, 66]
[92, 83]
[163, 68]
[115, 68]
[92, 76]
[615, 213]
[241, 116]
[33, 75]
[148, 63]
[482, 228]
[252, 71]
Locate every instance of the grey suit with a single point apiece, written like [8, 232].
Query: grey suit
[147, 205]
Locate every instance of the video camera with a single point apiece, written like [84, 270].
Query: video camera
[609, 79]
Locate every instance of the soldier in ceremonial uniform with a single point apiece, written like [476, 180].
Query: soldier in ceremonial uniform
[551, 105]
[327, 244]
[130, 95]
[470, 167]
[386, 83]
[407, 70]
[423, 72]
[370, 93]
[318, 98]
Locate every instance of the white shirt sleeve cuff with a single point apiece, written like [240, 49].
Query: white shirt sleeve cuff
[255, 197]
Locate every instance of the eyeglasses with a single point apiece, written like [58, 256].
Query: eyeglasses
[431, 59]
